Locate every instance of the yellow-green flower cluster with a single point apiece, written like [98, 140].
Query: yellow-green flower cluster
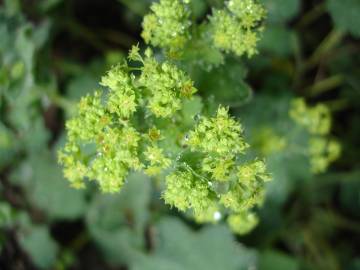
[116, 155]
[99, 146]
[103, 141]
[242, 223]
[167, 86]
[156, 159]
[316, 120]
[167, 25]
[220, 135]
[219, 183]
[185, 191]
[248, 189]
[323, 151]
[121, 98]
[125, 128]
[268, 142]
[235, 28]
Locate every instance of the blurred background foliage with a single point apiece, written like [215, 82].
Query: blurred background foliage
[52, 52]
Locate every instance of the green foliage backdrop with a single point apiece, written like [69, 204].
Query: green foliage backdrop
[287, 72]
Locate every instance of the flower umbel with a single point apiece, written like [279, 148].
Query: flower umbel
[135, 124]
[167, 24]
[317, 121]
[235, 28]
[103, 142]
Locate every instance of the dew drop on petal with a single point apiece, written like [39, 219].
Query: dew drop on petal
[217, 215]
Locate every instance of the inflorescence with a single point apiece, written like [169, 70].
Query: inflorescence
[235, 28]
[167, 26]
[137, 123]
[322, 150]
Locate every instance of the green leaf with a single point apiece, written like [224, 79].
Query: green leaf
[17, 53]
[199, 53]
[190, 109]
[277, 40]
[274, 260]
[198, 8]
[288, 165]
[225, 83]
[12, 7]
[7, 214]
[117, 222]
[280, 11]
[26, 47]
[37, 242]
[81, 85]
[350, 193]
[345, 14]
[36, 137]
[47, 5]
[41, 34]
[43, 182]
[7, 145]
[179, 248]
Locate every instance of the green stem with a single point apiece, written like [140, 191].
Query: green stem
[118, 38]
[247, 99]
[324, 85]
[134, 6]
[337, 105]
[215, 3]
[312, 15]
[345, 223]
[75, 246]
[329, 43]
[55, 98]
[187, 167]
[298, 56]
[83, 32]
[62, 102]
